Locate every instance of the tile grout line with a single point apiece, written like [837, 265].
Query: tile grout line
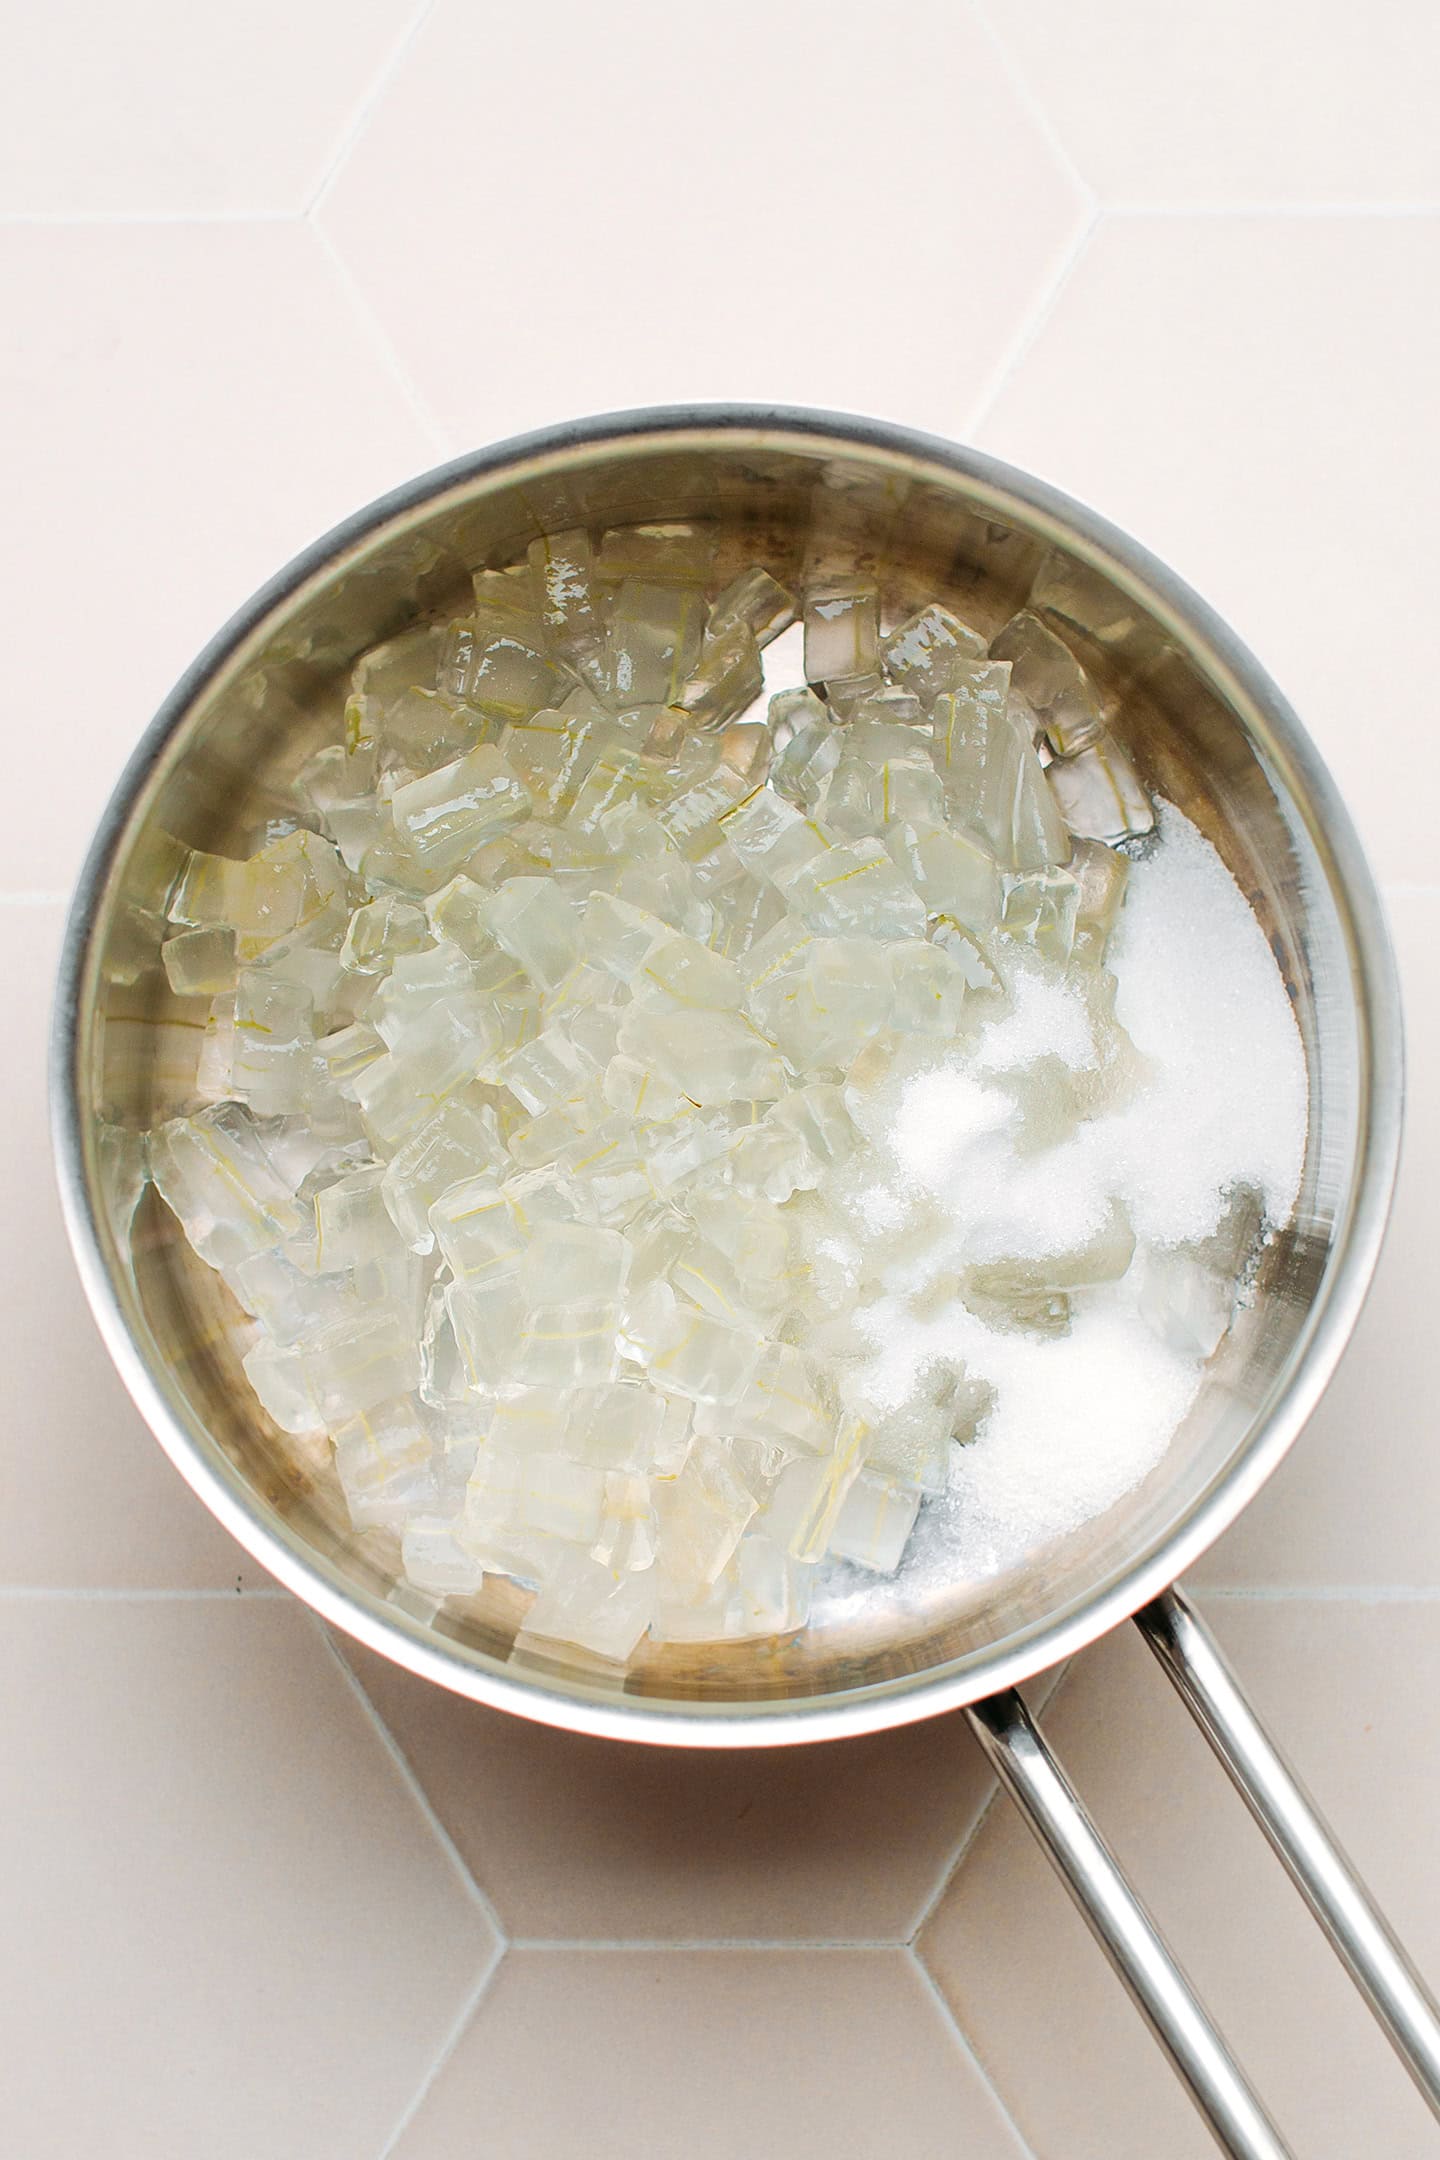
[1316, 1593]
[649, 1946]
[1033, 104]
[50, 220]
[1033, 322]
[961, 1850]
[454, 2035]
[380, 341]
[479, 1897]
[1377, 210]
[967, 2048]
[369, 99]
[88, 1594]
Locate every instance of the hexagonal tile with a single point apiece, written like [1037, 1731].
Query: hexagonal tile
[232, 1910]
[164, 459]
[1357, 1500]
[589, 1840]
[165, 108]
[1243, 396]
[1353, 1694]
[804, 206]
[1296, 101]
[89, 1499]
[811, 2054]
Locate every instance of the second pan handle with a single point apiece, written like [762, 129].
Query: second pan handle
[1162, 1994]
[1285, 1812]
[1289, 1818]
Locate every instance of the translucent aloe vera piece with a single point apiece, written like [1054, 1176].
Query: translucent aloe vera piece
[620, 1426]
[274, 1043]
[855, 889]
[953, 871]
[711, 1057]
[1101, 876]
[1050, 678]
[403, 663]
[708, 1278]
[338, 784]
[842, 635]
[825, 1012]
[1100, 794]
[768, 1163]
[277, 1376]
[200, 963]
[703, 1358]
[475, 1227]
[446, 1046]
[573, 1263]
[1041, 909]
[588, 1606]
[931, 652]
[982, 977]
[361, 1361]
[617, 935]
[538, 927]
[459, 1142]
[676, 554]
[380, 932]
[816, 1114]
[726, 679]
[693, 821]
[552, 752]
[424, 728]
[758, 601]
[383, 1460]
[509, 675]
[787, 1400]
[874, 1523]
[1102, 1258]
[485, 1314]
[417, 981]
[352, 1225]
[703, 1515]
[1016, 810]
[929, 990]
[212, 1171]
[435, 1563]
[960, 723]
[448, 814]
[680, 973]
[571, 1345]
[627, 1539]
[653, 643]
[804, 1506]
[562, 566]
[1184, 1302]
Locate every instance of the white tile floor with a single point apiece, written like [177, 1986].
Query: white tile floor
[260, 265]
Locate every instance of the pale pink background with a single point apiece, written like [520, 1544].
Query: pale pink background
[262, 1897]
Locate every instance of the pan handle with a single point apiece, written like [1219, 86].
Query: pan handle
[1124, 1930]
[1319, 1869]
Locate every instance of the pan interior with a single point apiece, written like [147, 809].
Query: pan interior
[796, 501]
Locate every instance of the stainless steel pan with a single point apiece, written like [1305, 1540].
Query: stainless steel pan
[1208, 728]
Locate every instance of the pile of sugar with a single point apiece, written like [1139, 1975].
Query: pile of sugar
[1079, 1419]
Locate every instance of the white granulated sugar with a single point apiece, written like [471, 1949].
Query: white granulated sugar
[941, 1118]
[1203, 1000]
[1046, 1019]
[1080, 1418]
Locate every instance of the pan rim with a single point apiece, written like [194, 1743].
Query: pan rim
[1246, 686]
